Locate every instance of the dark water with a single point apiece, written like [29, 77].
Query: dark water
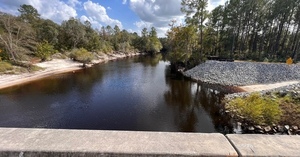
[130, 94]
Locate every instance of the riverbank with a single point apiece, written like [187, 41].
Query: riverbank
[274, 81]
[54, 67]
[243, 73]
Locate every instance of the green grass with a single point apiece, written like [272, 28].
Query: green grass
[256, 109]
[5, 66]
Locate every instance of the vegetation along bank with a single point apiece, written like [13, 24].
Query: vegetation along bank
[267, 111]
[27, 41]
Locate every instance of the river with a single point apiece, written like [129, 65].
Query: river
[136, 94]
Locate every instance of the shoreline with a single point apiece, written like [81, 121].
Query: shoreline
[263, 87]
[246, 76]
[54, 67]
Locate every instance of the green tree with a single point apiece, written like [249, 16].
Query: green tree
[72, 34]
[154, 45]
[196, 14]
[48, 31]
[91, 39]
[183, 42]
[45, 50]
[29, 13]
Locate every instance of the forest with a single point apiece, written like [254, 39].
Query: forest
[257, 30]
[29, 36]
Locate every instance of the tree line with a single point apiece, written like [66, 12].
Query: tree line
[260, 30]
[28, 35]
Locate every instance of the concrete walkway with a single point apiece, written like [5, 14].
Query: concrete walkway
[59, 142]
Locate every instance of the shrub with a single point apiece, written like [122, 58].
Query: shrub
[256, 109]
[106, 47]
[4, 66]
[26, 67]
[45, 50]
[82, 55]
[266, 60]
[3, 55]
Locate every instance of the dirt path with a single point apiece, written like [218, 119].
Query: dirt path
[261, 87]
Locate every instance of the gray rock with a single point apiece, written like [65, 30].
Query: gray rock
[295, 127]
[251, 128]
[267, 129]
[286, 127]
[280, 128]
[258, 127]
[243, 73]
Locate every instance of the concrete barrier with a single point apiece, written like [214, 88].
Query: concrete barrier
[266, 145]
[56, 142]
[59, 142]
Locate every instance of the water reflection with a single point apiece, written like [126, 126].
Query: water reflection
[131, 94]
[197, 105]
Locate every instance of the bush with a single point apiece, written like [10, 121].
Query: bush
[45, 50]
[82, 55]
[4, 66]
[256, 109]
[3, 55]
[106, 47]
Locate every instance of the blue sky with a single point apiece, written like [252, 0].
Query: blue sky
[132, 15]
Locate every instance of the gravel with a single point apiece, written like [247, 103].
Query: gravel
[243, 73]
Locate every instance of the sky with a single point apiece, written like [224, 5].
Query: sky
[132, 15]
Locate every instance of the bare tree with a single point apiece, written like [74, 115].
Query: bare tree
[16, 36]
[10, 36]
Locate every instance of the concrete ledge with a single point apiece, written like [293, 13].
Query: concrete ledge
[48, 142]
[266, 145]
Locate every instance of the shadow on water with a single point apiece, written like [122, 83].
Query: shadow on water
[131, 94]
[196, 103]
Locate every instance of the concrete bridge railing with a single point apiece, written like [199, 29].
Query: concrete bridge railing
[60, 142]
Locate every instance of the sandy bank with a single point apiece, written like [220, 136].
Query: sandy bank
[53, 67]
[262, 87]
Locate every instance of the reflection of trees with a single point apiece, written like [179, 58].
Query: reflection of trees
[52, 85]
[210, 99]
[180, 97]
[59, 84]
[187, 101]
[86, 78]
[152, 60]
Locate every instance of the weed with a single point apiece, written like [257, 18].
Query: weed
[256, 109]
[5, 66]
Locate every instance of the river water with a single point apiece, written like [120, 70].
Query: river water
[130, 94]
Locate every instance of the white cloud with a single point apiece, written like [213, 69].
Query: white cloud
[157, 13]
[55, 10]
[97, 13]
[94, 23]
[214, 3]
[74, 3]
[124, 2]
[143, 24]
[108, 8]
